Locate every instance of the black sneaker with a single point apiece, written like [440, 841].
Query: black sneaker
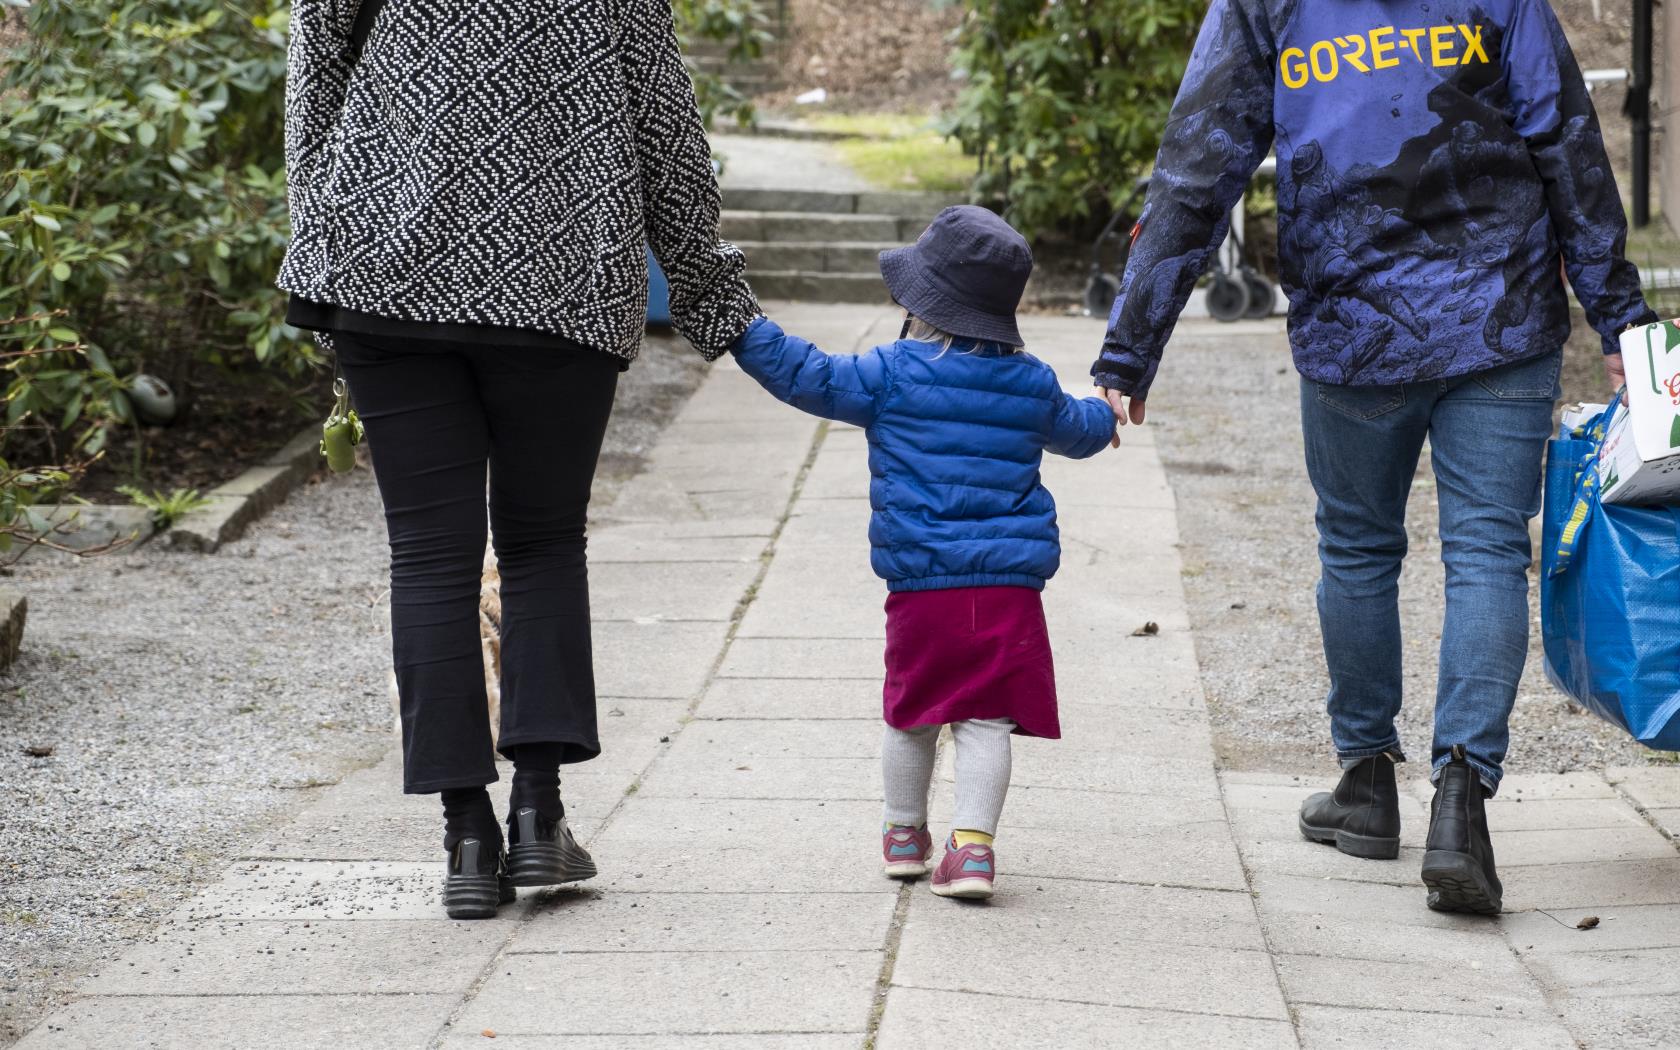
[1458, 863]
[1362, 816]
[476, 883]
[543, 852]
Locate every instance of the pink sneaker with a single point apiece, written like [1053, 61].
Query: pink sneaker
[966, 872]
[904, 851]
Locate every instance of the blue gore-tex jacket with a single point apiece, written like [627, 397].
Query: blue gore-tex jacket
[1439, 164]
[955, 442]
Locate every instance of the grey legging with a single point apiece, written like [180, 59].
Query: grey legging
[983, 760]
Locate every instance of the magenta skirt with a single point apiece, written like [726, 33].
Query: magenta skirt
[970, 652]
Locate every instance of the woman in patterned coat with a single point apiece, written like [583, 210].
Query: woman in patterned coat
[471, 190]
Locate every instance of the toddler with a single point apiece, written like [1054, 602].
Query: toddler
[963, 531]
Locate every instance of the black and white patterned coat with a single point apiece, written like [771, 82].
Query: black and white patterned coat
[503, 164]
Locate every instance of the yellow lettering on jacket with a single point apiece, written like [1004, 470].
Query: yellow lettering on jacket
[1382, 48]
[1325, 71]
[1377, 50]
[1440, 46]
[1293, 64]
[1473, 43]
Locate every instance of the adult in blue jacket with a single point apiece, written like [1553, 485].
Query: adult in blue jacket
[1440, 168]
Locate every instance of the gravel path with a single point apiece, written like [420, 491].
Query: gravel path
[1227, 414]
[191, 701]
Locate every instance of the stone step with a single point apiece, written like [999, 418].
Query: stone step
[806, 227]
[832, 257]
[899, 204]
[808, 287]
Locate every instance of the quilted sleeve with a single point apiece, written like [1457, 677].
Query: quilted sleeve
[1082, 426]
[1555, 115]
[711, 303]
[1218, 132]
[317, 75]
[833, 386]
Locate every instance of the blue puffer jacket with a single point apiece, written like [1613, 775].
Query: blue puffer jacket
[955, 441]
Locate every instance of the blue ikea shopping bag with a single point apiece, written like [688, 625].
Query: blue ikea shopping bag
[659, 294]
[1610, 596]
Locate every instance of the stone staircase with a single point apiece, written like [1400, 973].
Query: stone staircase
[818, 246]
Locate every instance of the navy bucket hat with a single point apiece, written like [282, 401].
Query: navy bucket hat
[964, 275]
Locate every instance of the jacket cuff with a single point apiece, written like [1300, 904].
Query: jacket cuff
[716, 325]
[1129, 379]
[1613, 341]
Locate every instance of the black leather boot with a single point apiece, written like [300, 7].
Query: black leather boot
[1362, 816]
[1458, 864]
[543, 852]
[476, 883]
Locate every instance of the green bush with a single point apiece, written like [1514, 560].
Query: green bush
[143, 206]
[743, 30]
[142, 212]
[1064, 102]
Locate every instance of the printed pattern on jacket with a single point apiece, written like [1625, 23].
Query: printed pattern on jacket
[504, 164]
[1436, 164]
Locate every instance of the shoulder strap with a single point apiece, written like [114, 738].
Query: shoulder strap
[366, 13]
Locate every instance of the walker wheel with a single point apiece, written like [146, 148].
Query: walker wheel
[1100, 292]
[1261, 297]
[1227, 298]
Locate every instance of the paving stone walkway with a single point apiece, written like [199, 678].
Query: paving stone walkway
[1146, 901]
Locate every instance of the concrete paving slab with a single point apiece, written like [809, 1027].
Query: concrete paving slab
[734, 743]
[916, 1018]
[785, 1041]
[1516, 814]
[1199, 855]
[1621, 928]
[1384, 984]
[1666, 819]
[765, 778]
[1481, 947]
[1576, 845]
[1597, 885]
[720, 845]
[806, 698]
[1156, 974]
[1328, 1026]
[1339, 901]
[661, 660]
[1653, 787]
[296, 1022]
[1138, 773]
[237, 957]
[708, 922]
[645, 545]
[1614, 972]
[319, 890]
[783, 608]
[826, 658]
[675, 992]
[1621, 1022]
[1031, 808]
[1085, 917]
[701, 591]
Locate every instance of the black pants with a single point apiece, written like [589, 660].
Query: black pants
[436, 414]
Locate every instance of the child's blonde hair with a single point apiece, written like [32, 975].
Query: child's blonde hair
[923, 332]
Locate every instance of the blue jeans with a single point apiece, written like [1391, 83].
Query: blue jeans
[1487, 434]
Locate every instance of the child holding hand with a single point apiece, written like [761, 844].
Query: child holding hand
[963, 531]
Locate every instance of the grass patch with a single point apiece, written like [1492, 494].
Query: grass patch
[900, 152]
[1656, 247]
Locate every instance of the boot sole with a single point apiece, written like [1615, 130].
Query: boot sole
[1365, 847]
[548, 864]
[1456, 883]
[474, 896]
